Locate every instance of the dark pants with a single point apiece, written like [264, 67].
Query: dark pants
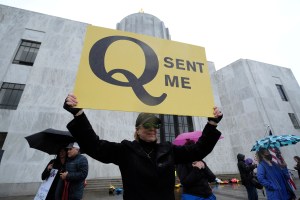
[252, 192]
[59, 189]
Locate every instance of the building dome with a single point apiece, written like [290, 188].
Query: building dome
[143, 23]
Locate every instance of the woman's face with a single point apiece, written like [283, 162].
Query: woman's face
[266, 155]
[147, 134]
[62, 153]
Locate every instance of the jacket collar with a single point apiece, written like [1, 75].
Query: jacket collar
[160, 148]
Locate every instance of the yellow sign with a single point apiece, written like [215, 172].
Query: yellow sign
[132, 72]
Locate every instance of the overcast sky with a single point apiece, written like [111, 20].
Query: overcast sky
[263, 30]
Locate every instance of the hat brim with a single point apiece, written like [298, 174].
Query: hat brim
[151, 119]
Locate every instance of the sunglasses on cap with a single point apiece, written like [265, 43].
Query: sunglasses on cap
[149, 125]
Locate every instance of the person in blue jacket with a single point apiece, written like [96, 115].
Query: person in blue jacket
[147, 167]
[273, 177]
[76, 172]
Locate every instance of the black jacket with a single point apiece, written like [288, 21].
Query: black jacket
[142, 178]
[45, 175]
[194, 180]
[246, 171]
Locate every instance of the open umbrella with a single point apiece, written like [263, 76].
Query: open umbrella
[183, 137]
[273, 141]
[50, 140]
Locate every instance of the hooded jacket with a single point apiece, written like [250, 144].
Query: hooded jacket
[245, 170]
[143, 178]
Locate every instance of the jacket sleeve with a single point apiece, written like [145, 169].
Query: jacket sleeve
[245, 169]
[211, 177]
[101, 150]
[205, 144]
[46, 173]
[82, 170]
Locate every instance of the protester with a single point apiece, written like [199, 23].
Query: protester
[75, 174]
[246, 173]
[59, 164]
[254, 179]
[273, 177]
[297, 166]
[147, 168]
[195, 178]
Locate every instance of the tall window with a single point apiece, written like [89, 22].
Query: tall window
[10, 95]
[173, 125]
[294, 120]
[2, 139]
[27, 52]
[281, 92]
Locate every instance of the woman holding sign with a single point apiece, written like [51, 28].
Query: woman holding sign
[147, 167]
[59, 164]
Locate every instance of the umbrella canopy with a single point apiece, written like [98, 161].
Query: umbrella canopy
[183, 137]
[273, 141]
[50, 140]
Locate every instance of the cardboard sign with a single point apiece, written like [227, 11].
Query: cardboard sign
[45, 186]
[132, 72]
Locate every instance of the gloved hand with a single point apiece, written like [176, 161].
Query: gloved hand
[217, 120]
[70, 109]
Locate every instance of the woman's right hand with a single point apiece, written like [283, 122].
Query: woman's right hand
[198, 164]
[70, 103]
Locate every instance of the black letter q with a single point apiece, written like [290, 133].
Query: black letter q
[96, 59]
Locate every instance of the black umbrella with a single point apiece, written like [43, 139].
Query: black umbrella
[50, 140]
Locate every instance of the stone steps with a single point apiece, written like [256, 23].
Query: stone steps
[103, 184]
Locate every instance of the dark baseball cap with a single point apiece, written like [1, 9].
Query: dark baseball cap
[146, 117]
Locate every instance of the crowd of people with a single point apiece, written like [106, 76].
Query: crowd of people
[147, 167]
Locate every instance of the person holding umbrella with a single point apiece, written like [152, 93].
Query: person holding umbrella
[147, 167]
[53, 142]
[273, 177]
[59, 164]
